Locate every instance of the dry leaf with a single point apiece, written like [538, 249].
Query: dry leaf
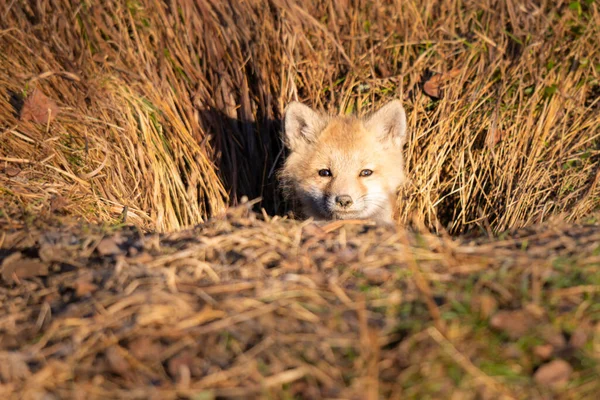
[513, 351]
[486, 305]
[84, 287]
[552, 336]
[544, 351]
[376, 276]
[15, 267]
[39, 108]
[554, 374]
[140, 258]
[180, 367]
[52, 298]
[58, 203]
[535, 310]
[53, 252]
[108, 247]
[514, 323]
[145, 349]
[494, 136]
[116, 361]
[11, 171]
[27, 269]
[579, 337]
[434, 84]
[13, 367]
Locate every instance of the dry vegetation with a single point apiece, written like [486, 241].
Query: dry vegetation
[154, 95]
[248, 308]
[159, 114]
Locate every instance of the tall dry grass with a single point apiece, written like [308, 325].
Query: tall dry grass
[167, 106]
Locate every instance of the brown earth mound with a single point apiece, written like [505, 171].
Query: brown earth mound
[166, 107]
[242, 307]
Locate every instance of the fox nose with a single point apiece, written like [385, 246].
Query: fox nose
[344, 201]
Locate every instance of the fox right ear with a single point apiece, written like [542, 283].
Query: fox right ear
[301, 124]
[389, 123]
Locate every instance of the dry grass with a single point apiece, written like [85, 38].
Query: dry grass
[155, 94]
[168, 111]
[246, 308]
[125, 136]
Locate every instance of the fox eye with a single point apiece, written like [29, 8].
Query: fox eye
[325, 172]
[366, 172]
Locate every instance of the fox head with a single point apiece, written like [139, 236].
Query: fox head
[345, 167]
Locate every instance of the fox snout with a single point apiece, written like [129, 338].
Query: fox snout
[343, 201]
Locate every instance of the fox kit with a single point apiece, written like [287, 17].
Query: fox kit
[345, 167]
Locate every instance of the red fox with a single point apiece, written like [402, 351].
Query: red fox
[345, 167]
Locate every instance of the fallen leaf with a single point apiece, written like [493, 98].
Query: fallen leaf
[514, 323]
[579, 337]
[116, 361]
[58, 203]
[554, 374]
[53, 252]
[42, 395]
[461, 394]
[13, 367]
[544, 351]
[12, 258]
[39, 108]
[180, 367]
[14, 267]
[486, 304]
[434, 84]
[10, 341]
[511, 350]
[140, 258]
[11, 171]
[26, 268]
[108, 247]
[535, 310]
[101, 56]
[347, 255]
[494, 136]
[553, 336]
[84, 287]
[52, 298]
[376, 276]
[145, 349]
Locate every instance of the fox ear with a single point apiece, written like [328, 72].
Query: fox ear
[302, 125]
[389, 123]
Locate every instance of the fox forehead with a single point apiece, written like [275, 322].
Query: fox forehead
[344, 143]
[343, 132]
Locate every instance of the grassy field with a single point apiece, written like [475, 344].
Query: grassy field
[141, 119]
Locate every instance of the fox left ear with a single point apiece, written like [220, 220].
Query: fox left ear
[389, 123]
[302, 125]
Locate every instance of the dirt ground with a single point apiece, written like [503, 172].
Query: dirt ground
[243, 307]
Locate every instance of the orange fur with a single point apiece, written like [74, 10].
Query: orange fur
[345, 146]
